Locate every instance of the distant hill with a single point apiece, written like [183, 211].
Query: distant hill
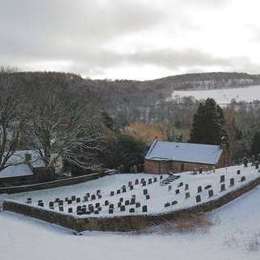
[128, 100]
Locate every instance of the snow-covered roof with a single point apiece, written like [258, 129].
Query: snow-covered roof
[184, 152]
[21, 169]
[16, 171]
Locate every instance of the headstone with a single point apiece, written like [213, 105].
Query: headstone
[70, 210]
[155, 179]
[93, 197]
[130, 183]
[144, 183]
[150, 181]
[110, 211]
[132, 210]
[122, 208]
[187, 195]
[243, 178]
[174, 202]
[121, 199]
[132, 202]
[127, 202]
[222, 178]
[111, 206]
[124, 189]
[69, 201]
[138, 205]
[119, 204]
[73, 198]
[180, 184]
[144, 208]
[29, 200]
[51, 204]
[96, 212]
[106, 202]
[238, 172]
[131, 187]
[169, 188]
[147, 197]
[207, 187]
[98, 192]
[136, 182]
[78, 200]
[61, 208]
[168, 204]
[161, 177]
[232, 182]
[198, 198]
[177, 191]
[99, 196]
[186, 186]
[97, 205]
[112, 193]
[145, 191]
[222, 187]
[199, 189]
[118, 192]
[210, 193]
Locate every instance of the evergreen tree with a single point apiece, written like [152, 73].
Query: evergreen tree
[255, 147]
[208, 124]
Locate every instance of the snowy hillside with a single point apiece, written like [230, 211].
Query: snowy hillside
[234, 233]
[222, 96]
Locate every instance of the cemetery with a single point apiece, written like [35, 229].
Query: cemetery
[127, 195]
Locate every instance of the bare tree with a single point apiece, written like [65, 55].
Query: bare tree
[63, 125]
[12, 121]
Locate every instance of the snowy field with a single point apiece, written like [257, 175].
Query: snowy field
[139, 194]
[234, 234]
[223, 96]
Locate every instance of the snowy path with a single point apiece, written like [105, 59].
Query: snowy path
[234, 235]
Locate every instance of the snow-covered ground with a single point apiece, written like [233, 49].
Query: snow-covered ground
[233, 235]
[159, 198]
[223, 96]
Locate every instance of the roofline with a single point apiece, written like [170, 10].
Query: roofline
[167, 160]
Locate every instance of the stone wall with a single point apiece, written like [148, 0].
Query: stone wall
[50, 184]
[124, 223]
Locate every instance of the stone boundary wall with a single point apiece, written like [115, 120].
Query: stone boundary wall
[50, 184]
[122, 223]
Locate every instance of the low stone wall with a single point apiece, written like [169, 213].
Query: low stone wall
[50, 184]
[124, 223]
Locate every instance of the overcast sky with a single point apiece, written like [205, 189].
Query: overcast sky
[132, 39]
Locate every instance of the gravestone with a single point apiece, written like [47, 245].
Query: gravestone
[198, 198]
[222, 187]
[161, 177]
[167, 204]
[132, 210]
[111, 211]
[207, 187]
[111, 206]
[155, 179]
[238, 172]
[147, 197]
[119, 204]
[187, 195]
[127, 202]
[112, 193]
[97, 204]
[150, 181]
[121, 199]
[70, 210]
[61, 209]
[136, 182]
[138, 205]
[118, 192]
[199, 189]
[174, 202]
[210, 193]
[243, 178]
[169, 188]
[180, 184]
[186, 186]
[144, 208]
[222, 178]
[122, 208]
[78, 200]
[73, 198]
[145, 191]
[177, 191]
[232, 182]
[93, 197]
[132, 202]
[131, 187]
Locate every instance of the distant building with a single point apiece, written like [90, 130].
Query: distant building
[165, 157]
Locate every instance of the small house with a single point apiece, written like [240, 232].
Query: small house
[165, 157]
